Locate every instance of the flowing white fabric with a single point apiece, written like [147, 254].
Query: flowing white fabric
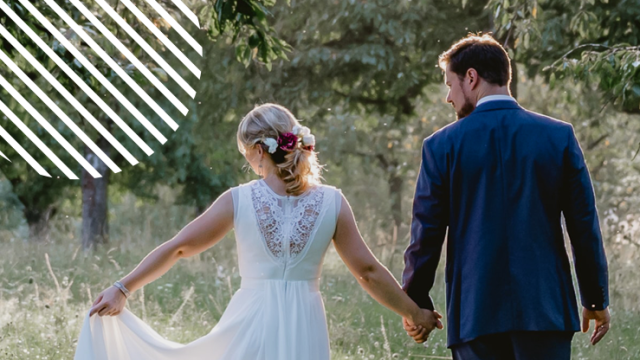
[277, 314]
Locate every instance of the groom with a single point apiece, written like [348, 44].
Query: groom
[497, 182]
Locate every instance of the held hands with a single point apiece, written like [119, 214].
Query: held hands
[110, 302]
[603, 322]
[422, 324]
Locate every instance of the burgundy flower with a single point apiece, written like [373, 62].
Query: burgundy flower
[287, 141]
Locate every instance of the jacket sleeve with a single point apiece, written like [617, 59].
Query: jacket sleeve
[581, 218]
[428, 227]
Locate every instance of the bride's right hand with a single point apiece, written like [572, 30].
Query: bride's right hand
[109, 302]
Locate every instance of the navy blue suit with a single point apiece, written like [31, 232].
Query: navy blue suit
[499, 181]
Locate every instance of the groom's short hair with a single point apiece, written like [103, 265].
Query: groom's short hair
[481, 52]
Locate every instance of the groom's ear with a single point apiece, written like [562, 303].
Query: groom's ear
[472, 78]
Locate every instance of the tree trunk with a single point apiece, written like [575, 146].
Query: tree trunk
[395, 192]
[396, 184]
[38, 222]
[508, 41]
[514, 79]
[95, 225]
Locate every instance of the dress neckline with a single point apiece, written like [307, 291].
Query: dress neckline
[264, 184]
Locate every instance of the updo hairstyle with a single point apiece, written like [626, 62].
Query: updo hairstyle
[299, 167]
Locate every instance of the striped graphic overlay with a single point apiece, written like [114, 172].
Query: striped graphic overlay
[104, 82]
[4, 156]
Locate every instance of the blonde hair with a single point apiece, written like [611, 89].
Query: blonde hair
[298, 168]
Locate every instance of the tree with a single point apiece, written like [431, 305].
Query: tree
[596, 42]
[175, 163]
[370, 58]
[37, 194]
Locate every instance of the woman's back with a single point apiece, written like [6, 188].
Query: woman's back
[283, 237]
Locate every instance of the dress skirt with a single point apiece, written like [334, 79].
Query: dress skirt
[266, 319]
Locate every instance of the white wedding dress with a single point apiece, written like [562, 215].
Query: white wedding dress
[277, 314]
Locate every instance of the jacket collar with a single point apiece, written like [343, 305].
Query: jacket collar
[497, 105]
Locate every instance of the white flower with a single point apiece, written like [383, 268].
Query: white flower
[272, 144]
[309, 140]
[300, 131]
[304, 131]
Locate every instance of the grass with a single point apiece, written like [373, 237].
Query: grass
[46, 289]
[41, 311]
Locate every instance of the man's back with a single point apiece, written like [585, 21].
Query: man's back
[500, 179]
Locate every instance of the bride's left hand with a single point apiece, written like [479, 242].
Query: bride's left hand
[109, 302]
[422, 326]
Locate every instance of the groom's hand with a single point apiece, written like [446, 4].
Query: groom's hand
[422, 324]
[603, 322]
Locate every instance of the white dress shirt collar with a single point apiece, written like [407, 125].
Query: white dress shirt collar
[493, 98]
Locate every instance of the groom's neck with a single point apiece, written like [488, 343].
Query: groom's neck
[489, 89]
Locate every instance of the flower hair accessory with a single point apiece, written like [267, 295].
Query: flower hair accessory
[289, 141]
[308, 140]
[272, 144]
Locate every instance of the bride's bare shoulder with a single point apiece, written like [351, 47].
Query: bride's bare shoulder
[243, 185]
[329, 186]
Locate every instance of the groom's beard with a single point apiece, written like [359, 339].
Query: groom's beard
[466, 109]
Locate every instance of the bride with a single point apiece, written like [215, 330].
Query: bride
[283, 224]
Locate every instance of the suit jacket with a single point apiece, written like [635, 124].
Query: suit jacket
[496, 182]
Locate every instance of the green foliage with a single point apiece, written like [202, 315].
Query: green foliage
[587, 40]
[614, 69]
[250, 31]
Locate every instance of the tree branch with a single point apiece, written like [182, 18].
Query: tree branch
[382, 161]
[597, 169]
[596, 142]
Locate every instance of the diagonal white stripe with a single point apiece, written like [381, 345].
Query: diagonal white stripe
[72, 125]
[187, 12]
[25, 155]
[92, 69]
[115, 67]
[176, 26]
[103, 106]
[45, 124]
[3, 155]
[162, 38]
[134, 60]
[144, 45]
[34, 138]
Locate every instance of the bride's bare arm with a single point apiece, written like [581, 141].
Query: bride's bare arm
[371, 274]
[199, 235]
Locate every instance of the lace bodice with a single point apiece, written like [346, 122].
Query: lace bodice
[286, 223]
[288, 231]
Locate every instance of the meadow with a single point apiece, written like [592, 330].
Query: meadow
[46, 290]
